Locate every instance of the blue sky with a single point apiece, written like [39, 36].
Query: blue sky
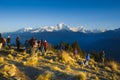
[17, 14]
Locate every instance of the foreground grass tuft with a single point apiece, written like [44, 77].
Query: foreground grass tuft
[113, 65]
[45, 76]
[80, 76]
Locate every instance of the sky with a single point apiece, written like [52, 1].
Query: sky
[92, 14]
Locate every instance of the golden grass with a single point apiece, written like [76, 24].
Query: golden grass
[80, 76]
[11, 51]
[10, 56]
[8, 70]
[56, 68]
[107, 68]
[1, 59]
[45, 76]
[31, 61]
[68, 68]
[113, 65]
[66, 58]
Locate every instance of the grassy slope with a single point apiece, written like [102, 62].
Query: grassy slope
[22, 66]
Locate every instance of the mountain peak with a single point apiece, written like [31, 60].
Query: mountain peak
[60, 27]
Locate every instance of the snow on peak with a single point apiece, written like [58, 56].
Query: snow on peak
[60, 27]
[25, 30]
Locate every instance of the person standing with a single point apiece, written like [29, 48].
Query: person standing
[102, 56]
[18, 42]
[4, 42]
[8, 42]
[87, 59]
[45, 45]
[1, 41]
[75, 52]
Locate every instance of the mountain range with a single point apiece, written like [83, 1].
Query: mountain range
[60, 27]
[89, 40]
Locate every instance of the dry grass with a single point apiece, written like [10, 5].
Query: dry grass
[113, 65]
[11, 51]
[10, 56]
[1, 59]
[68, 68]
[45, 76]
[8, 70]
[56, 68]
[31, 61]
[107, 68]
[80, 76]
[66, 58]
[96, 78]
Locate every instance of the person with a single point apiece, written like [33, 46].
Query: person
[42, 47]
[62, 47]
[39, 45]
[33, 45]
[87, 59]
[18, 42]
[4, 41]
[27, 45]
[1, 41]
[102, 56]
[75, 52]
[8, 42]
[45, 45]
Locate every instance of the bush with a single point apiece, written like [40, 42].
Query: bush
[45, 76]
[8, 70]
[31, 61]
[80, 76]
[113, 65]
[67, 58]
[1, 59]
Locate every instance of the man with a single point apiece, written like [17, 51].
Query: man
[18, 43]
[102, 56]
[8, 42]
[1, 41]
[87, 59]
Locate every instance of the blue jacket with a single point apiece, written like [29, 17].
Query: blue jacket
[88, 57]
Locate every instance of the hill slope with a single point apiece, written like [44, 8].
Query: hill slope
[20, 65]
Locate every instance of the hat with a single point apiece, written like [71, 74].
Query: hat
[45, 41]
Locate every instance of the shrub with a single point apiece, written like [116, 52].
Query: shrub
[1, 59]
[31, 61]
[10, 56]
[55, 68]
[113, 65]
[45, 76]
[11, 51]
[8, 70]
[67, 58]
[80, 76]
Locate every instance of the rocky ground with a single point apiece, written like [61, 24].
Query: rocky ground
[16, 65]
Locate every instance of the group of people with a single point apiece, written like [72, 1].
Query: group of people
[32, 45]
[101, 57]
[3, 41]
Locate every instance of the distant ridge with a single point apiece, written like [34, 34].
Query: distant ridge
[60, 27]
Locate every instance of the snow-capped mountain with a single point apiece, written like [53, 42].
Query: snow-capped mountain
[25, 30]
[60, 27]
